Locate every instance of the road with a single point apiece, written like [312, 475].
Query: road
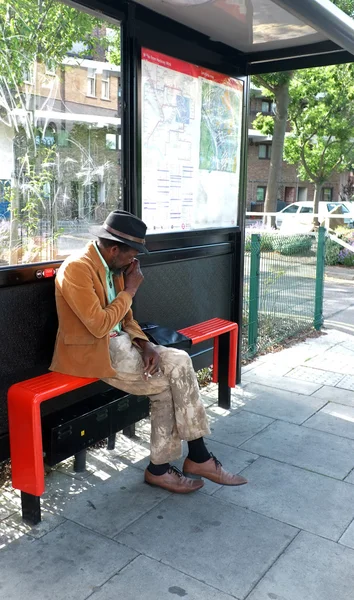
[339, 305]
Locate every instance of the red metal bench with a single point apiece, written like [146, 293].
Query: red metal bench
[25, 428]
[225, 334]
[25, 399]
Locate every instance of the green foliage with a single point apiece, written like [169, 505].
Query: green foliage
[41, 31]
[266, 242]
[321, 113]
[331, 252]
[114, 51]
[264, 124]
[271, 82]
[346, 6]
[292, 245]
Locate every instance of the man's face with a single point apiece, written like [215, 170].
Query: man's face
[120, 259]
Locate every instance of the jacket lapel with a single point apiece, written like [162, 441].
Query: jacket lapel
[99, 268]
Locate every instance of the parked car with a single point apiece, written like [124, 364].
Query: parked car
[299, 215]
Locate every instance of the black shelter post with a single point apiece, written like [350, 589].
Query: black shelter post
[31, 508]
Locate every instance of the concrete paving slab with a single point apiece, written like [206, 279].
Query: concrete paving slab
[333, 362]
[48, 523]
[272, 368]
[347, 382]
[315, 376]
[159, 583]
[349, 343]
[10, 501]
[295, 355]
[306, 448]
[108, 506]
[7, 507]
[69, 562]
[335, 394]
[220, 544]
[341, 350]
[347, 538]
[335, 419]
[306, 500]
[283, 383]
[280, 404]
[235, 429]
[350, 477]
[312, 568]
[8, 534]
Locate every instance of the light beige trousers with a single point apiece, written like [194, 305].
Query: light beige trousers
[177, 412]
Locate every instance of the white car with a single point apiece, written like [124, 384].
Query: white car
[299, 215]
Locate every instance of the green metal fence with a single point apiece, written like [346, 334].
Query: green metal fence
[283, 288]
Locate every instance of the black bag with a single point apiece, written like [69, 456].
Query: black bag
[164, 336]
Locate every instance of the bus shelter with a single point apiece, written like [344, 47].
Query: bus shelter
[141, 106]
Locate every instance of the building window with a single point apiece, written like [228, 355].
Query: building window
[264, 151]
[105, 85]
[327, 194]
[111, 141]
[91, 82]
[28, 75]
[261, 193]
[266, 106]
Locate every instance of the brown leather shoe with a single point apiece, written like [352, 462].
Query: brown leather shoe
[212, 469]
[173, 481]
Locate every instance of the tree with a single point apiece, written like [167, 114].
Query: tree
[276, 85]
[321, 114]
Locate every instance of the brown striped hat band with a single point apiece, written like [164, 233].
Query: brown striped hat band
[125, 236]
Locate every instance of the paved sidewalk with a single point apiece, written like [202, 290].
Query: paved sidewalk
[287, 535]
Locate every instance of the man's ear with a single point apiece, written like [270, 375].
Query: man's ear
[114, 251]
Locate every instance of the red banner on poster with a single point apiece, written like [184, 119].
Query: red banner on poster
[162, 60]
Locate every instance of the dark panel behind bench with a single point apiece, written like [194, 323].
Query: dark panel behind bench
[28, 325]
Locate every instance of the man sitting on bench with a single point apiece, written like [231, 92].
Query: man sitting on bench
[98, 337]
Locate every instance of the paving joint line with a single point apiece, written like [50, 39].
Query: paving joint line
[273, 564]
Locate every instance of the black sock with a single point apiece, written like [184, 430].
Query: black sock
[197, 451]
[158, 469]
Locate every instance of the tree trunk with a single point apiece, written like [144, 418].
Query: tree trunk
[316, 200]
[280, 121]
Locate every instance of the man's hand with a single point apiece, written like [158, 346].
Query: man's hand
[133, 278]
[151, 358]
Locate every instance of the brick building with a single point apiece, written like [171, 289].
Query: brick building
[74, 110]
[291, 188]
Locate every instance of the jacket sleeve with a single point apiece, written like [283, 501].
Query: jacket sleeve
[75, 284]
[133, 328]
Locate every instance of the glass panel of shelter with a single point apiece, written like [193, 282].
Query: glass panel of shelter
[60, 127]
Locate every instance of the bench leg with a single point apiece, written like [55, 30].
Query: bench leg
[31, 508]
[111, 442]
[80, 462]
[129, 431]
[224, 395]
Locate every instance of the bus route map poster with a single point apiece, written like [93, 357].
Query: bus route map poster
[191, 143]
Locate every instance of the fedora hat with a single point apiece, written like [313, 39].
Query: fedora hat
[122, 226]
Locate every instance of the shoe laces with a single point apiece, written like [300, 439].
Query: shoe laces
[216, 461]
[175, 470]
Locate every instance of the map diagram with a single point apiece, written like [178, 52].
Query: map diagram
[190, 145]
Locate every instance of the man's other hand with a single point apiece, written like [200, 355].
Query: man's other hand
[133, 277]
[151, 358]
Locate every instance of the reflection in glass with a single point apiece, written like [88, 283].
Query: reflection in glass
[59, 128]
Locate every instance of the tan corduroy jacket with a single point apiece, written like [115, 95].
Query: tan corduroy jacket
[86, 318]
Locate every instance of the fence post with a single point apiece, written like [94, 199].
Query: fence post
[254, 293]
[320, 270]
